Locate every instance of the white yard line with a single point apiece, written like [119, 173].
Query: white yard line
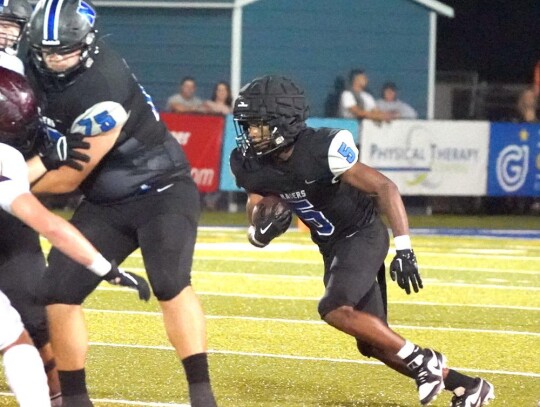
[282, 356]
[432, 282]
[296, 298]
[127, 402]
[319, 322]
[290, 247]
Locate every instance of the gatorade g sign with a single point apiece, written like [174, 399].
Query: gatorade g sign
[514, 160]
[201, 138]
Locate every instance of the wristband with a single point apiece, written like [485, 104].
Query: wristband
[402, 242]
[100, 265]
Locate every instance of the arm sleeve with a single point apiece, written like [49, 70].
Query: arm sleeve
[343, 153]
[100, 118]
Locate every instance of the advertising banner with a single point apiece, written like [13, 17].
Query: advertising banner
[201, 137]
[429, 157]
[227, 179]
[514, 160]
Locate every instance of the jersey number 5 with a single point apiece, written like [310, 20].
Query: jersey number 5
[347, 152]
[304, 210]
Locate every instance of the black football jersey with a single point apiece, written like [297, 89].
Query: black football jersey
[310, 183]
[105, 96]
[19, 239]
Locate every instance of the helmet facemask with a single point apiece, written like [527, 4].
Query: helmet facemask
[9, 39]
[258, 137]
[14, 15]
[62, 32]
[68, 75]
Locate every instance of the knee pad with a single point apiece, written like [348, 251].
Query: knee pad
[34, 318]
[39, 334]
[331, 302]
[165, 291]
[365, 349]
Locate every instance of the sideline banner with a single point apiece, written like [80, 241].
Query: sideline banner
[227, 179]
[429, 157]
[227, 182]
[514, 160]
[201, 137]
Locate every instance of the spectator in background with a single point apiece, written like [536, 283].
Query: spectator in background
[527, 107]
[391, 104]
[221, 102]
[357, 103]
[186, 101]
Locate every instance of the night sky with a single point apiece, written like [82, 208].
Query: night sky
[500, 39]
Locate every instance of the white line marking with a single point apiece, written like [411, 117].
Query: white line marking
[279, 356]
[319, 262]
[318, 322]
[288, 247]
[287, 298]
[263, 276]
[128, 402]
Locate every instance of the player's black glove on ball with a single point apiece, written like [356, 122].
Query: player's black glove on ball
[404, 269]
[59, 152]
[269, 226]
[127, 279]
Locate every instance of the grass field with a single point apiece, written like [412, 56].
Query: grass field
[268, 347]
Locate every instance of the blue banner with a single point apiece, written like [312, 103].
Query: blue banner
[514, 160]
[227, 182]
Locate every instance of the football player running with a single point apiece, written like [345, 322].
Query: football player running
[19, 124]
[317, 172]
[137, 186]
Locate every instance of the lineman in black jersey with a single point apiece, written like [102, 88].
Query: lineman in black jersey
[137, 186]
[317, 172]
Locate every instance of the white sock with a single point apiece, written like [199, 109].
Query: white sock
[26, 376]
[406, 350]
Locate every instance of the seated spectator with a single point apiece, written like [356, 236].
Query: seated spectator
[221, 102]
[391, 104]
[331, 104]
[356, 103]
[527, 107]
[186, 101]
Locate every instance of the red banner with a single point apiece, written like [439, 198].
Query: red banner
[201, 137]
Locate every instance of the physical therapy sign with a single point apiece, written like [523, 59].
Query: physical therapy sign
[429, 157]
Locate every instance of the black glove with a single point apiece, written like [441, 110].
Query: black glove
[404, 268]
[59, 152]
[127, 279]
[269, 226]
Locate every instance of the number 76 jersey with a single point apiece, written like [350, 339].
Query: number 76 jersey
[309, 181]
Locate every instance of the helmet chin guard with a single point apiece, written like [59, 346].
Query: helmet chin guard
[275, 106]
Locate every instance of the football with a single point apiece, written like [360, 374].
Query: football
[266, 205]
